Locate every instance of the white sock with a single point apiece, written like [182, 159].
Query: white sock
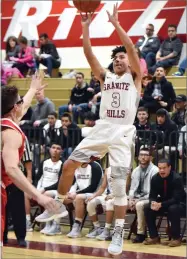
[28, 217]
[78, 219]
[57, 221]
[96, 224]
[107, 225]
[119, 223]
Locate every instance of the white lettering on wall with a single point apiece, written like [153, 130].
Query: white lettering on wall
[181, 29]
[148, 16]
[66, 20]
[21, 22]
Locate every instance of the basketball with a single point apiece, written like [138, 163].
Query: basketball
[86, 6]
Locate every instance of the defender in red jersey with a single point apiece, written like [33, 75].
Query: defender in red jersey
[12, 145]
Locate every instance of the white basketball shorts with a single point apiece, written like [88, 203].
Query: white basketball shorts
[117, 140]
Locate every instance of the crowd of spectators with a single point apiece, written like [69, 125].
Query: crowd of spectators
[52, 137]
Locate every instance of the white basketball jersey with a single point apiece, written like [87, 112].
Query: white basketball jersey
[119, 100]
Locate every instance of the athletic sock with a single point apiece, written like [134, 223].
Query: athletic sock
[28, 217]
[107, 225]
[96, 224]
[78, 220]
[119, 223]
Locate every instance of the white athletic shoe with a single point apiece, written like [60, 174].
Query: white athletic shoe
[76, 231]
[54, 230]
[49, 216]
[95, 232]
[105, 235]
[46, 228]
[116, 245]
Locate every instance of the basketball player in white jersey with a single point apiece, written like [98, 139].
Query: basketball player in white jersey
[114, 133]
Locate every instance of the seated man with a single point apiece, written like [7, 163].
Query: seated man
[49, 173]
[149, 45]
[169, 52]
[86, 181]
[180, 109]
[70, 135]
[140, 188]
[48, 55]
[159, 93]
[80, 96]
[107, 202]
[167, 194]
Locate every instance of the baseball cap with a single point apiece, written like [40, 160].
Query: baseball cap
[181, 98]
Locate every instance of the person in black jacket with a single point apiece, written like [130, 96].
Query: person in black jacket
[170, 50]
[48, 55]
[80, 96]
[70, 135]
[180, 107]
[167, 194]
[159, 93]
[166, 136]
[149, 45]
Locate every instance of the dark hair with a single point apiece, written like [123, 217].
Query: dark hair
[172, 26]
[8, 48]
[55, 143]
[80, 73]
[23, 40]
[142, 109]
[161, 112]
[163, 161]
[89, 116]
[160, 67]
[43, 35]
[149, 150]
[150, 24]
[53, 114]
[9, 96]
[117, 50]
[67, 115]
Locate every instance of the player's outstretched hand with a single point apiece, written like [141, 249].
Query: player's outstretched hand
[86, 19]
[37, 82]
[47, 202]
[113, 18]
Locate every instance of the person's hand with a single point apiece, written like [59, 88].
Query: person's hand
[37, 123]
[91, 198]
[37, 82]
[132, 204]
[70, 107]
[47, 202]
[113, 18]
[109, 197]
[22, 122]
[72, 196]
[156, 97]
[13, 59]
[90, 104]
[158, 58]
[91, 90]
[163, 104]
[86, 19]
[42, 191]
[155, 205]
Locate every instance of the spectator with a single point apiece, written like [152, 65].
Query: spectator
[51, 129]
[79, 98]
[149, 45]
[41, 110]
[143, 127]
[140, 189]
[143, 64]
[182, 68]
[102, 197]
[94, 84]
[145, 81]
[12, 48]
[180, 108]
[182, 147]
[70, 135]
[89, 121]
[49, 175]
[48, 55]
[166, 195]
[158, 93]
[169, 52]
[86, 181]
[165, 143]
[16, 203]
[25, 59]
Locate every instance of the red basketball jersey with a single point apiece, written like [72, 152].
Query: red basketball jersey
[7, 123]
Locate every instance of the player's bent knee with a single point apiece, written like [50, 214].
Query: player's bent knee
[91, 207]
[110, 205]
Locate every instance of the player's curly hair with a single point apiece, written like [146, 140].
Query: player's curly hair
[117, 50]
[9, 96]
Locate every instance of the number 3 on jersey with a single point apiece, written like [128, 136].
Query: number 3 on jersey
[116, 100]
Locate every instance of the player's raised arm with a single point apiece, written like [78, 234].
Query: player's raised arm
[96, 67]
[35, 86]
[129, 46]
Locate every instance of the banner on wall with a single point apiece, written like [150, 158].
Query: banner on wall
[62, 22]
